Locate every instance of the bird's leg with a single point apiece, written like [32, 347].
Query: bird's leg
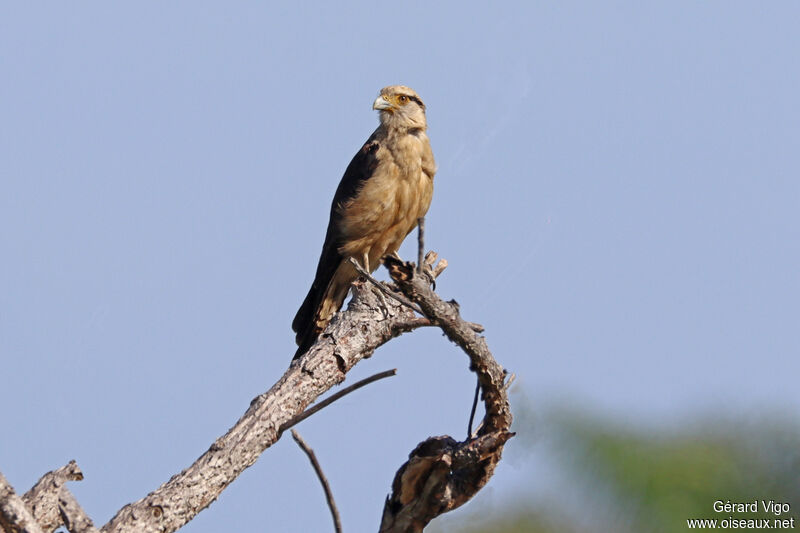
[365, 261]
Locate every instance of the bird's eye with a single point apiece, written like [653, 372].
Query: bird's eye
[403, 98]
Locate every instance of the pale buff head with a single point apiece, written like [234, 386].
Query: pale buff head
[401, 108]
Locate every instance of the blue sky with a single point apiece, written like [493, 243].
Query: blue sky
[617, 196]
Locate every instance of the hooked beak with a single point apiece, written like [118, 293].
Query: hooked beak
[381, 103]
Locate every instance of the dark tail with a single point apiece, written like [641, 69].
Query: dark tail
[303, 323]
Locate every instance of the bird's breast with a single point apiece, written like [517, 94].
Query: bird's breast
[387, 207]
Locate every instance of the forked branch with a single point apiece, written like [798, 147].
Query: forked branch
[441, 473]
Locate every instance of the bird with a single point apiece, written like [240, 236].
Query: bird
[385, 189]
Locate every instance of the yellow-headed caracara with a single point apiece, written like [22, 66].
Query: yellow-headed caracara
[387, 186]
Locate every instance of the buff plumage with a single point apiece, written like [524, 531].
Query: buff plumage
[387, 186]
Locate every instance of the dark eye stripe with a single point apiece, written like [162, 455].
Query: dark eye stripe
[415, 99]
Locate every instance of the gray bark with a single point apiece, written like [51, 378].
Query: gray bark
[15, 517]
[440, 475]
[44, 498]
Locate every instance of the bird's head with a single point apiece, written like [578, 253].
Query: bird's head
[400, 107]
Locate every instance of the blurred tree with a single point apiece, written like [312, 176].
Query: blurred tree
[636, 479]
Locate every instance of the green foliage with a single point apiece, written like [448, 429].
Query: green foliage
[669, 476]
[635, 479]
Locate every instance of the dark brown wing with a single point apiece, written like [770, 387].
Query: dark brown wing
[360, 169]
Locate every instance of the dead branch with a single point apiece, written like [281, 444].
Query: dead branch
[43, 498]
[441, 473]
[383, 288]
[350, 337]
[73, 515]
[15, 517]
[337, 522]
[446, 316]
[52, 504]
[474, 408]
[333, 397]
[420, 244]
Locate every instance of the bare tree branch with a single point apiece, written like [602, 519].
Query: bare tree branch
[337, 522]
[73, 515]
[43, 498]
[445, 315]
[474, 408]
[15, 517]
[381, 287]
[351, 336]
[50, 504]
[333, 397]
[442, 473]
[420, 244]
[436, 265]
